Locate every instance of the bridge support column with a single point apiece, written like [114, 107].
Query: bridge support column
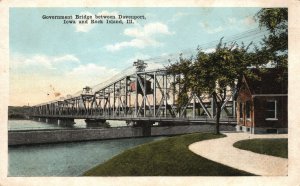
[65, 121]
[96, 123]
[42, 119]
[34, 118]
[51, 120]
[146, 127]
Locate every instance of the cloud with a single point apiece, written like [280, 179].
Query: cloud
[67, 57]
[91, 74]
[87, 27]
[91, 69]
[142, 36]
[48, 62]
[209, 29]
[148, 30]
[248, 20]
[136, 43]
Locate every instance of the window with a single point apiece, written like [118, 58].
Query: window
[248, 110]
[271, 110]
[241, 111]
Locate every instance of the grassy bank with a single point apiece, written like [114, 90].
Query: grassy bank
[273, 147]
[168, 157]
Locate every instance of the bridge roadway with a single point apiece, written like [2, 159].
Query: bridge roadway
[181, 120]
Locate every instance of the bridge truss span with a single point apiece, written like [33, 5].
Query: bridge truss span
[143, 95]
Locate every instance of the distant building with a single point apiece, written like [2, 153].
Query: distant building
[262, 105]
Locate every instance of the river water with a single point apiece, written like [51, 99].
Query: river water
[30, 124]
[64, 159]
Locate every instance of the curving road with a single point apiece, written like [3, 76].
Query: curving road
[221, 150]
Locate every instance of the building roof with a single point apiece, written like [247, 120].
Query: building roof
[269, 82]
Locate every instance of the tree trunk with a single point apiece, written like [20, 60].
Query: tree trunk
[218, 114]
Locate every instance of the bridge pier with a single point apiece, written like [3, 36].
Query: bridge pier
[146, 127]
[96, 123]
[52, 120]
[34, 118]
[65, 121]
[42, 119]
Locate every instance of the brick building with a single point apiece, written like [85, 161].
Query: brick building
[262, 105]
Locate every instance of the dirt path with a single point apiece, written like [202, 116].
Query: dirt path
[222, 151]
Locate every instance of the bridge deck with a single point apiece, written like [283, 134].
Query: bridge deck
[229, 120]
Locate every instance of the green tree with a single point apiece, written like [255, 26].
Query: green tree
[183, 78]
[275, 45]
[213, 73]
[276, 21]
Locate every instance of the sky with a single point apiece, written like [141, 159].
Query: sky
[50, 59]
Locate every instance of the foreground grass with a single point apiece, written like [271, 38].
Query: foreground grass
[273, 147]
[168, 157]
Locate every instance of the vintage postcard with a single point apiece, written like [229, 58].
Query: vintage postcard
[140, 93]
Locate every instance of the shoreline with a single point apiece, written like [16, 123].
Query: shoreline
[88, 134]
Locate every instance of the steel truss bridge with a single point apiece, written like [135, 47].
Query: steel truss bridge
[140, 96]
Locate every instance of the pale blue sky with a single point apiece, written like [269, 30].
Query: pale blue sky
[47, 53]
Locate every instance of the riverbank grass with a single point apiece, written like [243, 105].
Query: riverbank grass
[167, 157]
[273, 147]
